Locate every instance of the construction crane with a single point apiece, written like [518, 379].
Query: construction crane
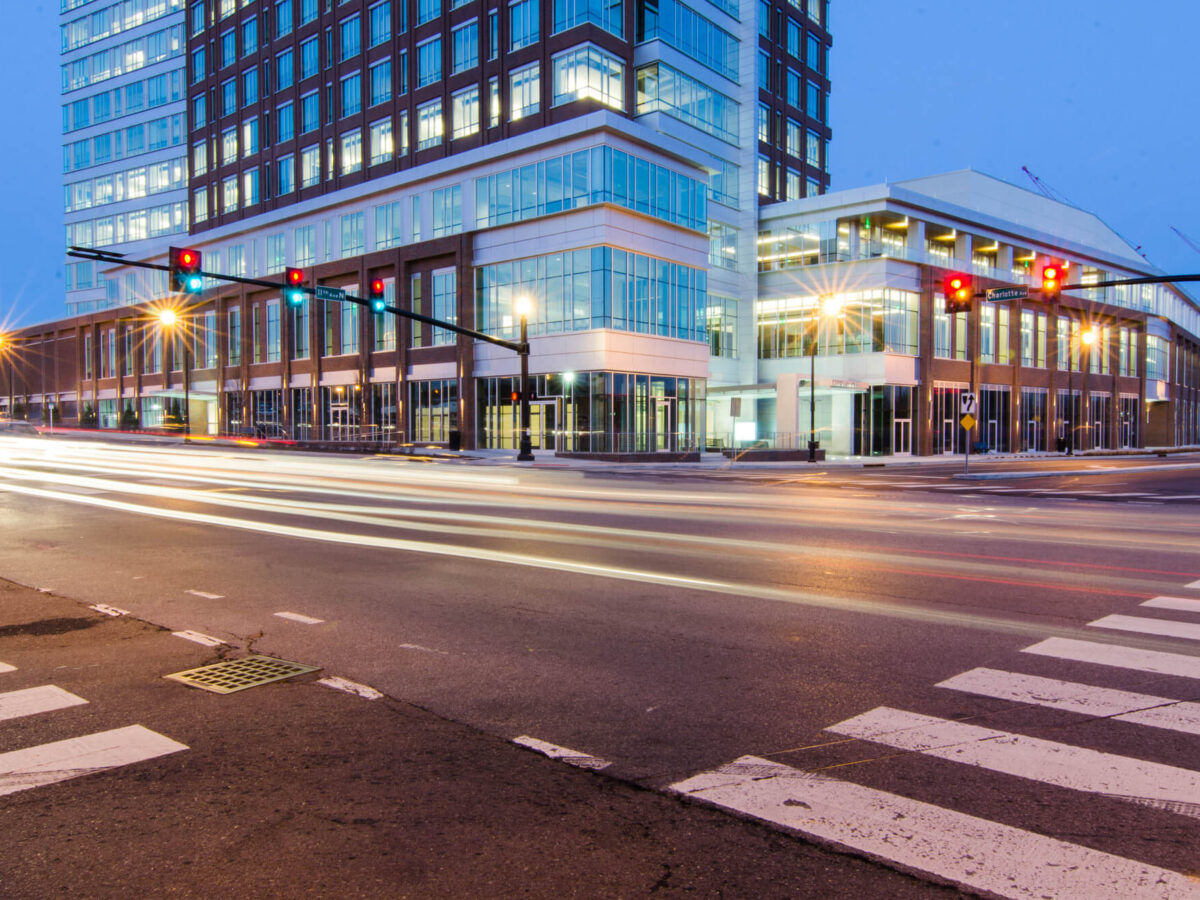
[1187, 240]
[1045, 188]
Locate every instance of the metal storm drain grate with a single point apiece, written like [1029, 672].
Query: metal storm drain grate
[239, 674]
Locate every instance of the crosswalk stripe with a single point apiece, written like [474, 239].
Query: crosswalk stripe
[1086, 699]
[1154, 661]
[33, 767]
[1195, 586]
[1142, 625]
[5, 667]
[565, 754]
[971, 852]
[30, 701]
[1048, 762]
[1179, 603]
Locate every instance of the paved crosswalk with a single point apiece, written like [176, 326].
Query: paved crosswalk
[988, 856]
[48, 763]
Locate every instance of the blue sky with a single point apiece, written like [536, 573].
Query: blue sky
[1096, 97]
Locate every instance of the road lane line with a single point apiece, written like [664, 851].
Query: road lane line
[1035, 759]
[205, 595]
[1154, 661]
[563, 754]
[1182, 604]
[198, 638]
[1142, 625]
[350, 687]
[33, 767]
[34, 700]
[5, 667]
[971, 852]
[1085, 699]
[299, 617]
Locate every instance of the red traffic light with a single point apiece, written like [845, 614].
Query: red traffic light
[377, 287]
[294, 276]
[956, 288]
[1052, 279]
[185, 270]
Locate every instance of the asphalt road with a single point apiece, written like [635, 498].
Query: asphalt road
[913, 647]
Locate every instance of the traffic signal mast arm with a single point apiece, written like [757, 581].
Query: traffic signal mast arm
[103, 256]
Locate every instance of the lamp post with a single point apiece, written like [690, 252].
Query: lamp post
[829, 307]
[168, 319]
[1086, 339]
[525, 451]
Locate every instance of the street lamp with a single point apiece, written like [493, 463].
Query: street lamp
[522, 307]
[830, 308]
[1086, 339]
[168, 319]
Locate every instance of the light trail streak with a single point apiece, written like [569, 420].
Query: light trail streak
[743, 590]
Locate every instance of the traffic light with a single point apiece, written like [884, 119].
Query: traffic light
[957, 290]
[294, 280]
[378, 303]
[1053, 276]
[185, 270]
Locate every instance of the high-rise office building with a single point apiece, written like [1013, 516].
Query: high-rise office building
[124, 135]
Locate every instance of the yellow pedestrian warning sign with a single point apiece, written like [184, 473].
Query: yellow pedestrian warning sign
[967, 421]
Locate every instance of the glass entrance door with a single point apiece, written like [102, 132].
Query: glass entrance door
[662, 424]
[543, 424]
[902, 437]
[339, 422]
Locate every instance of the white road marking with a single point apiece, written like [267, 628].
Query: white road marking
[1142, 625]
[1085, 699]
[33, 767]
[570, 757]
[1178, 603]
[5, 667]
[423, 649]
[1047, 762]
[351, 687]
[109, 610]
[30, 701]
[205, 595]
[1131, 494]
[971, 852]
[1195, 586]
[198, 638]
[298, 617]
[1120, 657]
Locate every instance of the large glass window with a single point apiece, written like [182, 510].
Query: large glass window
[310, 57]
[351, 36]
[588, 72]
[429, 62]
[447, 211]
[525, 91]
[351, 94]
[351, 151]
[606, 14]
[874, 321]
[430, 125]
[686, 30]
[598, 175]
[380, 22]
[428, 10]
[523, 23]
[381, 82]
[662, 88]
[465, 42]
[381, 141]
[445, 305]
[464, 112]
[598, 287]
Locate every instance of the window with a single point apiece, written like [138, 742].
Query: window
[229, 151]
[199, 206]
[283, 17]
[447, 211]
[285, 118]
[494, 109]
[285, 70]
[464, 112]
[199, 157]
[816, 53]
[310, 166]
[228, 48]
[275, 253]
[310, 113]
[351, 37]
[250, 137]
[385, 323]
[387, 226]
[380, 22]
[524, 91]
[402, 131]
[285, 174]
[660, 87]
[588, 72]
[764, 123]
[351, 151]
[429, 62]
[795, 189]
[229, 97]
[249, 87]
[429, 125]
[310, 58]
[229, 194]
[523, 23]
[794, 131]
[349, 328]
[197, 14]
[300, 331]
[381, 82]
[249, 36]
[199, 111]
[493, 34]
[764, 176]
[428, 10]
[465, 42]
[250, 187]
[813, 154]
[351, 94]
[608, 14]
[234, 331]
[273, 331]
[445, 305]
[352, 235]
[813, 104]
[198, 65]
[402, 87]
[308, 11]
[306, 245]
[381, 141]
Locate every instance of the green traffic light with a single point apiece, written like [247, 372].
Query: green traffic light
[193, 284]
[295, 298]
[378, 305]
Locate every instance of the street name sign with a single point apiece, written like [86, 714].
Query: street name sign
[1008, 293]
[322, 292]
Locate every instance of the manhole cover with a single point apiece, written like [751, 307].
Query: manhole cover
[239, 674]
